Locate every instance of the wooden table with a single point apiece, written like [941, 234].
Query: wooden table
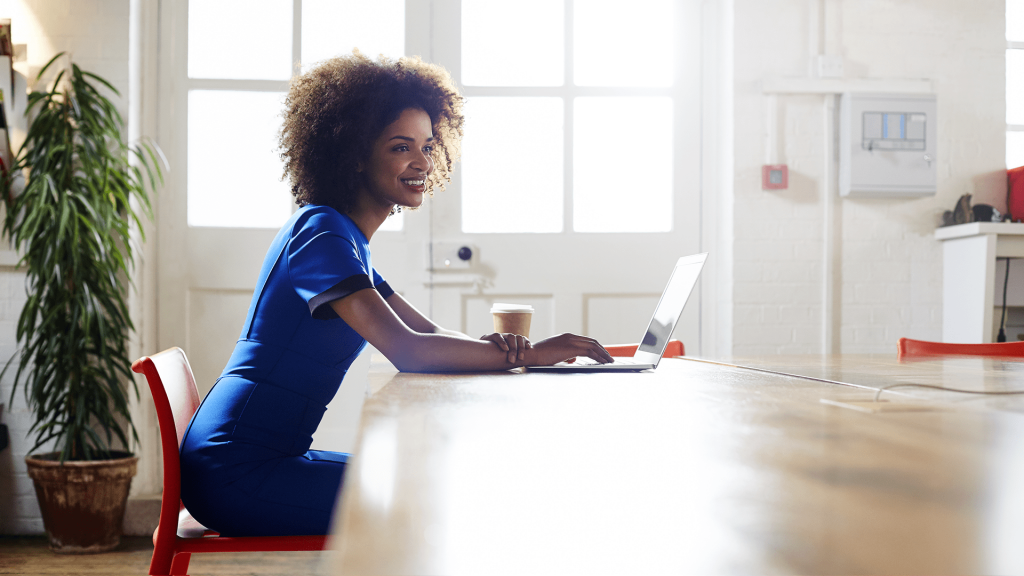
[696, 467]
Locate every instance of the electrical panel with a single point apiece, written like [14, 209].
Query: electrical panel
[887, 145]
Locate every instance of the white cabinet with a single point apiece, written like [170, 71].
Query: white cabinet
[969, 282]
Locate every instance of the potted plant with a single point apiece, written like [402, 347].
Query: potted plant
[71, 223]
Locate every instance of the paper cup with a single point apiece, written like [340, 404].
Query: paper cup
[512, 318]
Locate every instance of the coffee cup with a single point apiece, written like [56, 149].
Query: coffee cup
[512, 318]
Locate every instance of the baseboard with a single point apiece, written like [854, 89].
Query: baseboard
[142, 515]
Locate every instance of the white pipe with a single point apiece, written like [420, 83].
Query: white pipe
[771, 112]
[830, 232]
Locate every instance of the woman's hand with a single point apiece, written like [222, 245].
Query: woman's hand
[565, 347]
[515, 345]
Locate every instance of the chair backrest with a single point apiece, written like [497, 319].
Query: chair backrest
[673, 349]
[907, 349]
[177, 399]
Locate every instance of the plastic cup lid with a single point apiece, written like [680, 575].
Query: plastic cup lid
[503, 307]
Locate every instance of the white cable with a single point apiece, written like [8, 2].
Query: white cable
[958, 390]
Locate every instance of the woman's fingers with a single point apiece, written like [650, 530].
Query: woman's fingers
[598, 354]
[521, 344]
[593, 349]
[497, 339]
[513, 347]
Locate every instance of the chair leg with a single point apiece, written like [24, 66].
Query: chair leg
[163, 555]
[179, 566]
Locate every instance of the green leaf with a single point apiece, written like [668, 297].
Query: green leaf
[52, 60]
[71, 222]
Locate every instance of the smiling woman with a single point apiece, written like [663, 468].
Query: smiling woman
[336, 112]
[361, 139]
[400, 163]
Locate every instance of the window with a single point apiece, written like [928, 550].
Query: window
[588, 92]
[241, 55]
[1014, 83]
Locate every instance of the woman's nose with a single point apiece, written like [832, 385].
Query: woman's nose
[423, 162]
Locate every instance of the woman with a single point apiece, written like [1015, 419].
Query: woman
[361, 139]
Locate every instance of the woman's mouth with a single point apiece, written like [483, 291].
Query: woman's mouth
[417, 184]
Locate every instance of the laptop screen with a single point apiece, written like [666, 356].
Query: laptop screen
[666, 315]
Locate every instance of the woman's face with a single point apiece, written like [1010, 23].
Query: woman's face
[400, 161]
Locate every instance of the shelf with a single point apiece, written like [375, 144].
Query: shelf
[979, 228]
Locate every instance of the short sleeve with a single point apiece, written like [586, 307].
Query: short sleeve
[382, 287]
[325, 267]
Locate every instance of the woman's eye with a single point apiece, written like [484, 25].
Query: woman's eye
[428, 149]
[402, 148]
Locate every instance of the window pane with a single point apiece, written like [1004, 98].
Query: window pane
[513, 43]
[1015, 86]
[240, 39]
[622, 171]
[623, 43]
[1014, 149]
[333, 27]
[234, 171]
[503, 188]
[1015, 20]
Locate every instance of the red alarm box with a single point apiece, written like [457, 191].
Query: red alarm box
[774, 177]
[1015, 193]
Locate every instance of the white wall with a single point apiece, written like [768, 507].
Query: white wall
[95, 33]
[887, 266]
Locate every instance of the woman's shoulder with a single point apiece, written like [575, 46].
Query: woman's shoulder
[313, 220]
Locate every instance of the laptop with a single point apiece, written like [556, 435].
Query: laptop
[659, 330]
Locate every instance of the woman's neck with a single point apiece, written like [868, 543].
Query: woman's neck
[369, 215]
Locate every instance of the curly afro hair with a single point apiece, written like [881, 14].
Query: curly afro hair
[335, 112]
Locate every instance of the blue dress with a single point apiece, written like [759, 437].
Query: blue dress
[246, 466]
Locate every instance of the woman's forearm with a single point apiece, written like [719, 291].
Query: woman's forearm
[453, 333]
[412, 349]
[451, 352]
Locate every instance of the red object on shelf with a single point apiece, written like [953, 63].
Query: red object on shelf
[774, 177]
[1015, 193]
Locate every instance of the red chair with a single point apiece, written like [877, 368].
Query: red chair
[178, 535]
[674, 348]
[908, 349]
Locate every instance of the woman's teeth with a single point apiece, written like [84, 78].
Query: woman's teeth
[413, 182]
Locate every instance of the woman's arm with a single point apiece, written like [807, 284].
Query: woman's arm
[415, 319]
[413, 351]
[513, 345]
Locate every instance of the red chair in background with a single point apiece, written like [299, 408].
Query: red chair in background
[178, 535]
[908, 349]
[674, 348]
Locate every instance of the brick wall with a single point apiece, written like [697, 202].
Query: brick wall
[888, 268]
[95, 33]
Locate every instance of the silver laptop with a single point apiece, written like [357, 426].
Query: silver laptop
[655, 340]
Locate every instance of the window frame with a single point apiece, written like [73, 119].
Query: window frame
[447, 21]
[275, 86]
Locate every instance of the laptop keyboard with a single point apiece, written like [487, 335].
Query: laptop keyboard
[585, 361]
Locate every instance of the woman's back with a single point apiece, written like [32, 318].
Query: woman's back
[287, 365]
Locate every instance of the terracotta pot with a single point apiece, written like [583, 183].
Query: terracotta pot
[82, 502]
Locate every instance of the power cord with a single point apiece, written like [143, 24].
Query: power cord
[1002, 322]
[960, 390]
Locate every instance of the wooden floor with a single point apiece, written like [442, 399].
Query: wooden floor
[30, 556]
